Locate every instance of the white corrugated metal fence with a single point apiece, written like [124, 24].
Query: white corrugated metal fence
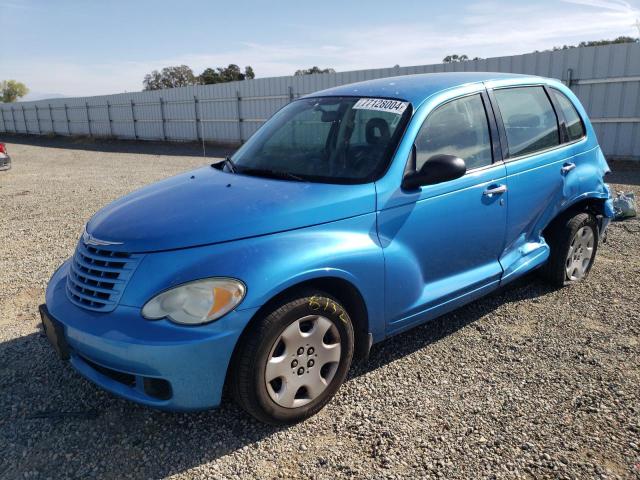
[606, 79]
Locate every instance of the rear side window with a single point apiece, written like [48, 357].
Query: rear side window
[529, 119]
[575, 127]
[459, 128]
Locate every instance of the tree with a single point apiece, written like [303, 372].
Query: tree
[153, 81]
[231, 73]
[312, 70]
[209, 76]
[12, 90]
[170, 77]
[456, 58]
[597, 43]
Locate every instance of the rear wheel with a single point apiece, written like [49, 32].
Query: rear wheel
[573, 242]
[292, 362]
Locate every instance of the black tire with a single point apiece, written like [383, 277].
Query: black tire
[248, 383]
[559, 237]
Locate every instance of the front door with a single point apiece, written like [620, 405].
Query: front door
[442, 246]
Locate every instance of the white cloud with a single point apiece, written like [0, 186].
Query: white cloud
[485, 29]
[616, 5]
[15, 5]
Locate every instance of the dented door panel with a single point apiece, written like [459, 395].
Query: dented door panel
[540, 188]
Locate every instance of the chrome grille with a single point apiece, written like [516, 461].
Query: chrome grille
[98, 276]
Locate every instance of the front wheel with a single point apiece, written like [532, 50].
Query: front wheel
[574, 243]
[291, 363]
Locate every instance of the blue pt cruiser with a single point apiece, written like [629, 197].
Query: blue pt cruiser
[353, 214]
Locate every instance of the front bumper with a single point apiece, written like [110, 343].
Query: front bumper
[5, 162]
[156, 363]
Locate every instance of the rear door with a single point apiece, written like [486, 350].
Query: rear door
[442, 243]
[536, 168]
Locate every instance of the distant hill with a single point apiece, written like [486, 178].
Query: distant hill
[32, 96]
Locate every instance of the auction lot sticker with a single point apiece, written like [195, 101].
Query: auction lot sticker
[381, 105]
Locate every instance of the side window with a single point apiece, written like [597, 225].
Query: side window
[528, 118]
[459, 128]
[575, 127]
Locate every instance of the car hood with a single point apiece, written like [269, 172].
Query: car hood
[208, 206]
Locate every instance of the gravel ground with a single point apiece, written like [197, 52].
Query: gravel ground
[527, 383]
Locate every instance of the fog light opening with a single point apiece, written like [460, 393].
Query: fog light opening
[157, 388]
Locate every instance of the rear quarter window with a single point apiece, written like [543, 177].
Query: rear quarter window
[529, 119]
[575, 125]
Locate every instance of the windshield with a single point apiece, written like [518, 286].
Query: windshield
[326, 139]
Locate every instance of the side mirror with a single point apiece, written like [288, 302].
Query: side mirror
[438, 169]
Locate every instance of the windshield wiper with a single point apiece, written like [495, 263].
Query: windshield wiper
[227, 162]
[230, 165]
[265, 172]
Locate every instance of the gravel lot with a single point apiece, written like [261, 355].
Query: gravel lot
[528, 383]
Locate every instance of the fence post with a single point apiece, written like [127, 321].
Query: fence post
[195, 111]
[164, 131]
[133, 118]
[13, 119]
[239, 116]
[24, 119]
[66, 116]
[86, 111]
[569, 77]
[38, 119]
[290, 93]
[109, 119]
[53, 125]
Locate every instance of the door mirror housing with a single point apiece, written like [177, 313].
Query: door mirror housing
[439, 168]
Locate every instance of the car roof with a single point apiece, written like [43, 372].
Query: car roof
[417, 88]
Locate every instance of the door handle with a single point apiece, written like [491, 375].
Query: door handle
[567, 167]
[495, 190]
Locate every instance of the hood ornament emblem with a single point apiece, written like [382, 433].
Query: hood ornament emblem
[89, 239]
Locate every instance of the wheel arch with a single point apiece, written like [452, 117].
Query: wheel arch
[595, 205]
[342, 290]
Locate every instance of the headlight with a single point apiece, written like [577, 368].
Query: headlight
[196, 302]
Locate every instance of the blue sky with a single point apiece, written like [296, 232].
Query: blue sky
[88, 47]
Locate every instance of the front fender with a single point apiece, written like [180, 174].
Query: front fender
[347, 249]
